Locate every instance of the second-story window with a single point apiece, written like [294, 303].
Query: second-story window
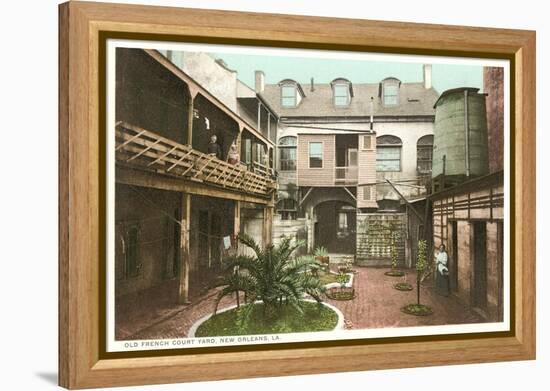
[288, 95]
[287, 153]
[388, 153]
[315, 155]
[424, 154]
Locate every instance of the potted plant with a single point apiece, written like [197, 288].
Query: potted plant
[321, 255]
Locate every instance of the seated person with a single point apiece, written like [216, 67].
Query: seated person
[233, 155]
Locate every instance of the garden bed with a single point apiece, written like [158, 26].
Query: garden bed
[403, 286]
[341, 293]
[395, 273]
[315, 317]
[417, 309]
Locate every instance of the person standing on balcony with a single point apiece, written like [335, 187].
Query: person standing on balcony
[233, 155]
[214, 148]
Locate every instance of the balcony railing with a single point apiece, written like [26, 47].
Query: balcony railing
[345, 176]
[141, 148]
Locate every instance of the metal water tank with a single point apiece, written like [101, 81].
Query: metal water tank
[460, 134]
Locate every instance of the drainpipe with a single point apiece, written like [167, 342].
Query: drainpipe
[371, 112]
[467, 133]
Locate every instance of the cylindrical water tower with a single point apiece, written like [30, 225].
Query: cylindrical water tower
[460, 136]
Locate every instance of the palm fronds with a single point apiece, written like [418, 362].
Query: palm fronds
[272, 275]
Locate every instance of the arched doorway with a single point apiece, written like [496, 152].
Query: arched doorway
[335, 226]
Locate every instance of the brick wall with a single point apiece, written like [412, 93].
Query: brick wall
[493, 86]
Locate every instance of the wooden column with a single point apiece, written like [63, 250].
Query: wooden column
[269, 125]
[268, 226]
[185, 256]
[237, 221]
[190, 107]
[259, 117]
[239, 141]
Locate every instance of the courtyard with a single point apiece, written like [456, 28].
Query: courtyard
[376, 305]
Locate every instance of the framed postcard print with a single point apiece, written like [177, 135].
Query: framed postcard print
[247, 195]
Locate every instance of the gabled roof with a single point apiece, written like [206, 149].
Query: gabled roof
[414, 100]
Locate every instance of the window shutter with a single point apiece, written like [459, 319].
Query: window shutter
[366, 193]
[367, 142]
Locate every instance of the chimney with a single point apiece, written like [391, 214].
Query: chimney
[312, 85]
[427, 75]
[259, 81]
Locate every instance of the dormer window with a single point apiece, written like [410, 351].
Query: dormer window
[342, 92]
[291, 93]
[390, 91]
[288, 95]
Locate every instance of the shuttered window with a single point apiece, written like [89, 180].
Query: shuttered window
[287, 153]
[424, 154]
[367, 142]
[366, 193]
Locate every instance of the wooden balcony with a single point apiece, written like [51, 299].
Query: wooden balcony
[146, 150]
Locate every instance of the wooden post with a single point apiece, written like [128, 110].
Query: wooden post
[191, 116]
[239, 142]
[185, 256]
[259, 117]
[269, 125]
[236, 230]
[268, 226]
[237, 220]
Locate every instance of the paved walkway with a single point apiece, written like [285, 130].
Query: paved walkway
[377, 304]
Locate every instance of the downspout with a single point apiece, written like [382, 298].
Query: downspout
[467, 133]
[371, 112]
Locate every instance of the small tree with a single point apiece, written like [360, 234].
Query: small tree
[421, 263]
[420, 266]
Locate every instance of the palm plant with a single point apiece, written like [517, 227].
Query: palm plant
[272, 275]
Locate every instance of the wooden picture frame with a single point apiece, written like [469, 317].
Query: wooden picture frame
[83, 29]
